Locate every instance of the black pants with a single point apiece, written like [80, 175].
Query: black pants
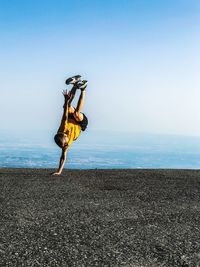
[82, 123]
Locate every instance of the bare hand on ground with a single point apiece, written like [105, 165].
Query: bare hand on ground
[56, 173]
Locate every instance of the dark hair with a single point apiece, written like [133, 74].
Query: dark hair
[58, 139]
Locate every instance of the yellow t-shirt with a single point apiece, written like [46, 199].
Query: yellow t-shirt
[71, 128]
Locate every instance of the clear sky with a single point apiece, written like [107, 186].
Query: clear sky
[141, 58]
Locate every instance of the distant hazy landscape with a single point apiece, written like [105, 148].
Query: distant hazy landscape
[102, 150]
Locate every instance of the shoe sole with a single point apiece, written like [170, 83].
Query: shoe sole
[73, 79]
[83, 86]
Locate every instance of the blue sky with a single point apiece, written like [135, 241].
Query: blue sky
[141, 58]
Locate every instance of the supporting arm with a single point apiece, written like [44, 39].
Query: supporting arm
[62, 162]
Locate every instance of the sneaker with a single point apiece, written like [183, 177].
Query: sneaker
[82, 85]
[73, 80]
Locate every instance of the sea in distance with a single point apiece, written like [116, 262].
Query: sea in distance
[102, 150]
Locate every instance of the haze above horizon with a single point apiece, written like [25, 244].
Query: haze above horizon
[141, 59]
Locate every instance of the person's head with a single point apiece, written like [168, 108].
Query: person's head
[61, 140]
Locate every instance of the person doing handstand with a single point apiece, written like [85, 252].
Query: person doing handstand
[73, 120]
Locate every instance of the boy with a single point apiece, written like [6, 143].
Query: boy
[73, 120]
